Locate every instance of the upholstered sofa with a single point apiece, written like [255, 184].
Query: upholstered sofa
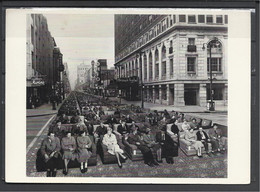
[105, 156]
[186, 147]
[92, 161]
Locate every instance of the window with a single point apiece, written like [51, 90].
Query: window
[191, 19]
[191, 41]
[170, 49]
[164, 69]
[182, 18]
[163, 53]
[216, 64]
[226, 19]
[209, 19]
[201, 18]
[171, 66]
[164, 93]
[219, 19]
[191, 62]
[157, 70]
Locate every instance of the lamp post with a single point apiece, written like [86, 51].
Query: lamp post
[215, 42]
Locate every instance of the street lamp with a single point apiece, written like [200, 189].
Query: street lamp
[213, 43]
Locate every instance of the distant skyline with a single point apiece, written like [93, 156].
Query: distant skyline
[82, 38]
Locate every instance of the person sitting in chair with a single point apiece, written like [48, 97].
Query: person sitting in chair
[150, 141]
[204, 138]
[113, 148]
[216, 135]
[135, 139]
[50, 149]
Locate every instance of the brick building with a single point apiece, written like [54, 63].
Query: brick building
[43, 59]
[168, 51]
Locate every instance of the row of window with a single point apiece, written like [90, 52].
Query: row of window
[167, 22]
[216, 66]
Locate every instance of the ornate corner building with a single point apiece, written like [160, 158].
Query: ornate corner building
[165, 55]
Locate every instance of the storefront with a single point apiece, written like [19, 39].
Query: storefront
[129, 87]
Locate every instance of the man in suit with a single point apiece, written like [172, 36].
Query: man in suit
[122, 128]
[216, 135]
[150, 141]
[135, 139]
[100, 131]
[204, 138]
[169, 147]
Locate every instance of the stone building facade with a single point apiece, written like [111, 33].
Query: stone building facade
[168, 58]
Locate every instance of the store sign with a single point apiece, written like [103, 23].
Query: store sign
[38, 82]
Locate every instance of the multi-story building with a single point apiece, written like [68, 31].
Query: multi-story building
[42, 72]
[82, 73]
[165, 53]
[65, 80]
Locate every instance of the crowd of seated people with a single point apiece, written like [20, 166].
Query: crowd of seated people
[154, 139]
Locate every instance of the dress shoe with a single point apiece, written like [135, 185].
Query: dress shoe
[159, 161]
[150, 164]
[120, 166]
[155, 163]
[65, 172]
[85, 170]
[200, 156]
[48, 173]
[82, 170]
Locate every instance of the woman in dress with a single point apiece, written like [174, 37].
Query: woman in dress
[191, 136]
[68, 145]
[110, 141]
[84, 143]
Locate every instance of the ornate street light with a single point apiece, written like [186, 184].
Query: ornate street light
[213, 43]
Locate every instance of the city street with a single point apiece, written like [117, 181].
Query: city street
[184, 166]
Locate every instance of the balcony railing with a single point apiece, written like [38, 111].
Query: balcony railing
[192, 48]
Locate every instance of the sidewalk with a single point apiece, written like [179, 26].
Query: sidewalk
[183, 109]
[42, 110]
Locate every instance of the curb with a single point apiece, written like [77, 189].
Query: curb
[41, 114]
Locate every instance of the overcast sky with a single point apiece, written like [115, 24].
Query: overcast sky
[83, 38]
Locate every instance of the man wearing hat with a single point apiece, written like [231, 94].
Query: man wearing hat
[150, 141]
[135, 139]
[169, 147]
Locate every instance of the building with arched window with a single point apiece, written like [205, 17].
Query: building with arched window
[166, 52]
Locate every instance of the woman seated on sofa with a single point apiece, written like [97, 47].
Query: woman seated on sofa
[68, 145]
[110, 141]
[84, 143]
[191, 136]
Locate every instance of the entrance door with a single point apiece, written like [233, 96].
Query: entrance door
[190, 97]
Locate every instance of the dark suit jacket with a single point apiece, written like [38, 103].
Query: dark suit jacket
[122, 129]
[199, 136]
[175, 129]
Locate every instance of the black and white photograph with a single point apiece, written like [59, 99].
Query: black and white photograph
[128, 94]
